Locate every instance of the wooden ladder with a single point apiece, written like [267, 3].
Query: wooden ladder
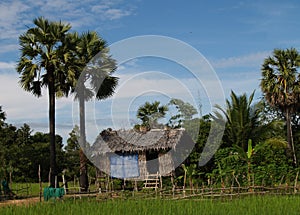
[152, 181]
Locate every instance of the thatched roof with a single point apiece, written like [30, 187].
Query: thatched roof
[134, 141]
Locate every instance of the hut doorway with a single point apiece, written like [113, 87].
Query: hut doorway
[152, 162]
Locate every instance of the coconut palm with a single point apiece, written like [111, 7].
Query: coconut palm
[43, 64]
[94, 73]
[242, 120]
[280, 85]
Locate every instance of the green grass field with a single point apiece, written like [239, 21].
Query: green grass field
[33, 189]
[27, 189]
[246, 205]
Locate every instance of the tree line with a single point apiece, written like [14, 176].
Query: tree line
[23, 151]
[260, 144]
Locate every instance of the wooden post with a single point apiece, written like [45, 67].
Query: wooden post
[135, 185]
[184, 181]
[161, 183]
[40, 183]
[173, 184]
[97, 184]
[64, 182]
[10, 175]
[55, 181]
[49, 177]
[296, 180]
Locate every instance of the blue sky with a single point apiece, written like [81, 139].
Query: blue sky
[234, 36]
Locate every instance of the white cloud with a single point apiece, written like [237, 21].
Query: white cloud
[85, 13]
[10, 12]
[10, 19]
[7, 66]
[111, 12]
[253, 59]
[275, 9]
[8, 47]
[58, 5]
[22, 105]
[247, 78]
[131, 85]
[17, 103]
[16, 15]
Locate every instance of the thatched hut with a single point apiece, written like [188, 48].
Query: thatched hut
[135, 154]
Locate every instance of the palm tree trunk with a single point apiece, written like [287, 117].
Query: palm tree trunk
[290, 140]
[53, 165]
[83, 160]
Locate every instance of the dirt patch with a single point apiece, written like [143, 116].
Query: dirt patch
[26, 201]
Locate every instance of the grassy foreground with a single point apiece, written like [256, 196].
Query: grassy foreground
[248, 205]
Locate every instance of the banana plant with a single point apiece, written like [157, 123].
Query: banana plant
[249, 156]
[246, 156]
[189, 173]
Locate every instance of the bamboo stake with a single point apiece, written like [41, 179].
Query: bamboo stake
[64, 182]
[40, 183]
[49, 177]
[184, 181]
[296, 180]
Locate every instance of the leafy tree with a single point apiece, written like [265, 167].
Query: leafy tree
[21, 149]
[228, 164]
[235, 160]
[2, 117]
[9, 148]
[43, 64]
[150, 113]
[22, 152]
[94, 68]
[185, 112]
[72, 153]
[38, 155]
[204, 127]
[7, 139]
[271, 163]
[280, 85]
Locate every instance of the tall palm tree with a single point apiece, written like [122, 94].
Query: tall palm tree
[280, 85]
[42, 64]
[242, 120]
[94, 73]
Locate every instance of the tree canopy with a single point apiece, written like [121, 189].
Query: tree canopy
[280, 84]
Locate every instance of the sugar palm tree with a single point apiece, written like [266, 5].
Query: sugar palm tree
[280, 85]
[43, 64]
[94, 73]
[149, 113]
